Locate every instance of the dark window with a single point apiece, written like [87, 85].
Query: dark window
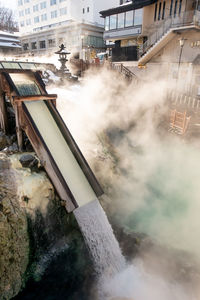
[42, 44]
[88, 9]
[83, 10]
[159, 11]
[26, 46]
[175, 8]
[155, 13]
[171, 7]
[180, 5]
[163, 12]
[34, 45]
[120, 2]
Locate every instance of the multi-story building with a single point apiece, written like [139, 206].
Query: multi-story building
[163, 35]
[124, 28]
[44, 24]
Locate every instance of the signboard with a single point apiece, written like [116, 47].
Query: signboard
[128, 43]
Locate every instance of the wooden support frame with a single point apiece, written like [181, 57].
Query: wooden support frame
[17, 99]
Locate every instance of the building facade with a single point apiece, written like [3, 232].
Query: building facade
[44, 24]
[124, 28]
[9, 43]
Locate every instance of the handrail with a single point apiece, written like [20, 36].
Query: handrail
[187, 18]
[124, 70]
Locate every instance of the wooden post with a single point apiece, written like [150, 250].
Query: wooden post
[18, 129]
[3, 115]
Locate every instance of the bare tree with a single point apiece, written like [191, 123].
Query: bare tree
[7, 19]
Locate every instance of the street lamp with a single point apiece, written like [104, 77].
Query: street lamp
[181, 43]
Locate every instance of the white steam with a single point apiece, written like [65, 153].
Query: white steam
[150, 175]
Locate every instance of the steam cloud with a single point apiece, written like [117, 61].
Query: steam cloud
[150, 175]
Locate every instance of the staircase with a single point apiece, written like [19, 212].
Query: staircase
[162, 35]
[127, 74]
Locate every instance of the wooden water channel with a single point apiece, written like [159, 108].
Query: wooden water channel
[36, 116]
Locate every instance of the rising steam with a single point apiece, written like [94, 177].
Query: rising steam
[150, 175]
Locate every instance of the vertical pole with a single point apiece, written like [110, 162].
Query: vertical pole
[18, 129]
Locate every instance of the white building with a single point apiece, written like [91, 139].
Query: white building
[35, 15]
[44, 24]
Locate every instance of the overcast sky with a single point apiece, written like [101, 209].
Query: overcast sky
[9, 3]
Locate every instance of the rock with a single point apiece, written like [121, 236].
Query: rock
[13, 148]
[3, 141]
[14, 239]
[29, 161]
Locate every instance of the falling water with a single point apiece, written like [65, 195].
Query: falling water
[99, 237]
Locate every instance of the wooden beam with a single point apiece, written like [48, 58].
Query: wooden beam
[34, 98]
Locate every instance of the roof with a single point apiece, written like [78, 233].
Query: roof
[135, 4]
[9, 45]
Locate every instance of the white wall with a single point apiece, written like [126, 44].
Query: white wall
[74, 11]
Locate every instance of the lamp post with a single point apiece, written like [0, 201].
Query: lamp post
[181, 43]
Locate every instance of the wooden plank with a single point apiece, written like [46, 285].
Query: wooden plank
[34, 97]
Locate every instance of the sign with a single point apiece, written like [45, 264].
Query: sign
[128, 43]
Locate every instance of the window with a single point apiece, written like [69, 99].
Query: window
[63, 11]
[138, 17]
[107, 23]
[27, 11]
[159, 10]
[83, 10]
[33, 45]
[52, 2]
[22, 23]
[62, 1]
[44, 17]
[129, 18]
[54, 14]
[35, 7]
[36, 19]
[21, 13]
[180, 5]
[25, 46]
[113, 22]
[20, 2]
[42, 44]
[163, 12]
[52, 42]
[88, 9]
[26, 1]
[43, 5]
[155, 12]
[120, 20]
[171, 7]
[175, 8]
[28, 22]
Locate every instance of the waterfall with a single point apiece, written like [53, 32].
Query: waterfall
[99, 237]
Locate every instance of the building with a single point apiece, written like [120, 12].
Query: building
[9, 43]
[124, 28]
[77, 23]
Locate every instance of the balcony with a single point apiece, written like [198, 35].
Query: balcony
[117, 34]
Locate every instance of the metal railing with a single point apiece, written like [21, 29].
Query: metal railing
[124, 71]
[184, 19]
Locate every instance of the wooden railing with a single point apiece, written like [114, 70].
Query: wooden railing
[178, 99]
